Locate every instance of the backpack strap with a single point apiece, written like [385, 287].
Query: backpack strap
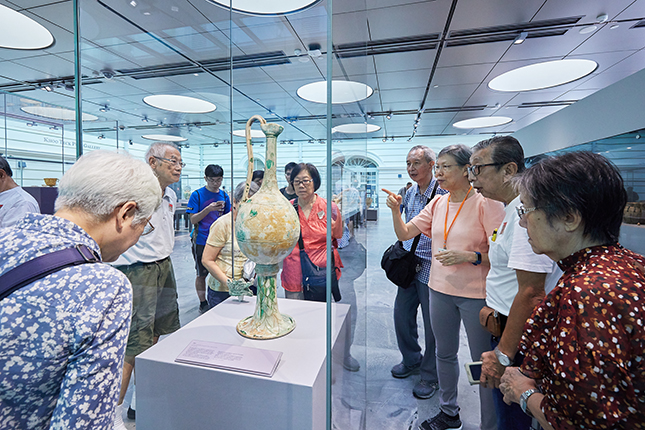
[417, 238]
[39, 267]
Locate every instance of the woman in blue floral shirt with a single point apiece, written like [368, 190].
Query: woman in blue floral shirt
[62, 337]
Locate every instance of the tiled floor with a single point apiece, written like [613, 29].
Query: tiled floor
[370, 398]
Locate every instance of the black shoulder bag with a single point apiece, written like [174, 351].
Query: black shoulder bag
[314, 278]
[402, 266]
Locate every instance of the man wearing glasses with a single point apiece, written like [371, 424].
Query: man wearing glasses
[518, 278]
[206, 205]
[147, 265]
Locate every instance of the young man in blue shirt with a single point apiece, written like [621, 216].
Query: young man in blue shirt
[206, 205]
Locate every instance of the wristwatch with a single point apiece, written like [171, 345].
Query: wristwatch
[524, 398]
[479, 258]
[503, 359]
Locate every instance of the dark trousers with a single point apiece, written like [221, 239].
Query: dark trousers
[406, 306]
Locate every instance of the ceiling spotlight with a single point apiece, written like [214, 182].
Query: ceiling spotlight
[104, 109]
[392, 139]
[145, 119]
[187, 145]
[69, 87]
[215, 145]
[521, 38]
[130, 142]
[101, 136]
[388, 116]
[48, 87]
[416, 124]
[369, 115]
[384, 138]
[160, 124]
[53, 127]
[602, 18]
[314, 50]
[638, 136]
[32, 124]
[311, 141]
[133, 3]
[614, 26]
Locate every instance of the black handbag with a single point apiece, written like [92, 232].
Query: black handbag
[402, 266]
[314, 278]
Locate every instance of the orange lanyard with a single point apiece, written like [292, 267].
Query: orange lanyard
[446, 230]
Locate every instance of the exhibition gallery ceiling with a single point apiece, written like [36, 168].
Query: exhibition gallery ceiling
[418, 66]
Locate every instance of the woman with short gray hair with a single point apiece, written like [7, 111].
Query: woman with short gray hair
[64, 334]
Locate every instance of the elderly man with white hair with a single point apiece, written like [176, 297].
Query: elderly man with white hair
[63, 334]
[149, 268]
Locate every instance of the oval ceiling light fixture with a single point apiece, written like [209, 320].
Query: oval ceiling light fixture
[164, 137]
[341, 92]
[255, 134]
[57, 113]
[543, 75]
[18, 31]
[483, 122]
[183, 104]
[267, 7]
[355, 128]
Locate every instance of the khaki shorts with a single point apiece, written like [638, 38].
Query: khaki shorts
[155, 310]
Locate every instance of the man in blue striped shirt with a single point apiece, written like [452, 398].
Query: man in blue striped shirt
[420, 162]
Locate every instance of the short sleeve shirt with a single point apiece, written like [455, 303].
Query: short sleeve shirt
[14, 204]
[476, 221]
[201, 198]
[314, 237]
[63, 337]
[509, 251]
[220, 237]
[586, 342]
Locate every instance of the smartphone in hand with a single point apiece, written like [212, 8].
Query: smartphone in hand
[474, 371]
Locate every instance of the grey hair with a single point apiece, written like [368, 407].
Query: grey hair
[428, 153]
[506, 149]
[239, 190]
[90, 186]
[461, 153]
[158, 149]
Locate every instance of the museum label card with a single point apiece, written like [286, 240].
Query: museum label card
[230, 357]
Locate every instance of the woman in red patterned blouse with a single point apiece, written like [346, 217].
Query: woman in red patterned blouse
[585, 343]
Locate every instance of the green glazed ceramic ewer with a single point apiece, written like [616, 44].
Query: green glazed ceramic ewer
[267, 229]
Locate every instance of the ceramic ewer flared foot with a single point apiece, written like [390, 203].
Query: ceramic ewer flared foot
[267, 322]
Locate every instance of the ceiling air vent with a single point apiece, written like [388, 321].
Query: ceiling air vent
[387, 46]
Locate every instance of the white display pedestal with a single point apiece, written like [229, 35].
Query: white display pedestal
[174, 396]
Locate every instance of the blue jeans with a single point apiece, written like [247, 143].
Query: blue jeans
[509, 417]
[215, 297]
[406, 306]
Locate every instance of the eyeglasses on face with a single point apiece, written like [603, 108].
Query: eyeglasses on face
[304, 182]
[476, 169]
[172, 161]
[440, 167]
[149, 228]
[521, 210]
[214, 178]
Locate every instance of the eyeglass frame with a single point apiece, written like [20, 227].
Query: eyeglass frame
[304, 182]
[152, 228]
[478, 167]
[521, 210]
[436, 168]
[213, 178]
[172, 161]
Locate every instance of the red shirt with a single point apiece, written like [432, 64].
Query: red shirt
[314, 237]
[586, 342]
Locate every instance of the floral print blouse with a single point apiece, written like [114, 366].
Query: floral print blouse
[63, 337]
[586, 342]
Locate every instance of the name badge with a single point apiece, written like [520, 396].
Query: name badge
[321, 214]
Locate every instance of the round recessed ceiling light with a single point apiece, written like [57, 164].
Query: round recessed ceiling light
[587, 29]
[255, 134]
[341, 92]
[182, 104]
[18, 31]
[57, 113]
[483, 122]
[164, 137]
[255, 7]
[355, 128]
[543, 75]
